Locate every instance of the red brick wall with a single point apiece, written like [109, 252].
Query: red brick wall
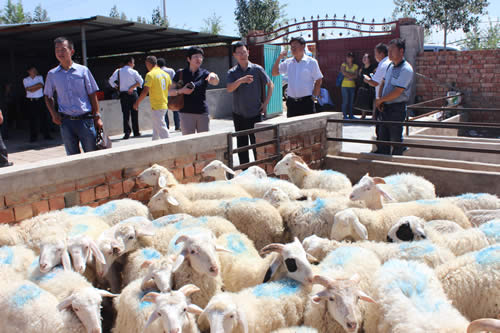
[475, 73]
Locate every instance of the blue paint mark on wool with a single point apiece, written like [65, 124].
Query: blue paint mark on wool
[24, 294]
[43, 277]
[338, 258]
[150, 254]
[143, 304]
[317, 206]
[491, 230]
[191, 223]
[489, 256]
[6, 255]
[78, 210]
[277, 289]
[106, 209]
[331, 173]
[168, 219]
[35, 262]
[472, 196]
[78, 229]
[417, 249]
[427, 202]
[235, 244]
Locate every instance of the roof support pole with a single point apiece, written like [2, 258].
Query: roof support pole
[84, 45]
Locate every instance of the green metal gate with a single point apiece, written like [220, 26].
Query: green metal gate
[275, 107]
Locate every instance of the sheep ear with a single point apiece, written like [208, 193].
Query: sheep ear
[222, 249]
[150, 297]
[312, 259]
[302, 165]
[65, 303]
[383, 193]
[355, 278]
[274, 247]
[316, 299]
[242, 319]
[228, 169]
[162, 181]
[145, 230]
[178, 262]
[66, 261]
[172, 200]
[105, 293]
[146, 264]
[273, 268]
[195, 309]
[420, 232]
[188, 289]
[152, 318]
[360, 230]
[365, 297]
[96, 252]
[378, 180]
[145, 280]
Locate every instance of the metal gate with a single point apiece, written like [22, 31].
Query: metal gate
[275, 107]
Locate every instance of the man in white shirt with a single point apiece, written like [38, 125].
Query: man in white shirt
[128, 79]
[37, 112]
[304, 78]
[171, 72]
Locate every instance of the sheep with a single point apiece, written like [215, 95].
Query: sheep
[364, 223]
[344, 277]
[460, 242]
[296, 329]
[264, 308]
[480, 216]
[304, 177]
[113, 211]
[137, 263]
[16, 258]
[74, 292]
[159, 274]
[474, 276]
[256, 218]
[423, 251]
[242, 267]
[174, 309]
[401, 187]
[28, 308]
[411, 299]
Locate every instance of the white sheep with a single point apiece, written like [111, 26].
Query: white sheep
[345, 279]
[423, 251]
[73, 292]
[358, 223]
[402, 187]
[242, 267]
[301, 175]
[137, 264]
[256, 218]
[474, 276]
[480, 216]
[411, 299]
[459, 242]
[264, 308]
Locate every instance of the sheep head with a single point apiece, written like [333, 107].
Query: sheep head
[150, 175]
[369, 189]
[160, 272]
[81, 248]
[52, 253]
[342, 297]
[216, 169]
[346, 224]
[289, 162]
[224, 315]
[407, 229]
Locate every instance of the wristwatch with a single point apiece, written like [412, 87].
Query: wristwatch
[97, 116]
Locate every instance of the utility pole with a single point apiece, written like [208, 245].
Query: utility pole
[164, 10]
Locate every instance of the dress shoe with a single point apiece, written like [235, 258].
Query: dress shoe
[137, 134]
[126, 136]
[6, 165]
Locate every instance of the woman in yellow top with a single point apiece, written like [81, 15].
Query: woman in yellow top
[350, 71]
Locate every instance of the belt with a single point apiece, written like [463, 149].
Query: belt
[34, 99]
[300, 99]
[87, 115]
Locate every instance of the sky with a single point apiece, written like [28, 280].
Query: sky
[190, 14]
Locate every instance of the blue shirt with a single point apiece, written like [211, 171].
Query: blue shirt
[197, 101]
[73, 88]
[400, 76]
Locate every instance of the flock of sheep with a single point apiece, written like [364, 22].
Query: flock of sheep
[259, 254]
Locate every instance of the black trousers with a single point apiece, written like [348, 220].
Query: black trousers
[39, 118]
[127, 101]
[392, 112]
[300, 107]
[3, 153]
[241, 123]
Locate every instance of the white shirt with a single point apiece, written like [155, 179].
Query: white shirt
[29, 82]
[380, 73]
[169, 71]
[128, 77]
[301, 75]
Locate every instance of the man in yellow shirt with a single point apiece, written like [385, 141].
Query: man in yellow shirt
[157, 84]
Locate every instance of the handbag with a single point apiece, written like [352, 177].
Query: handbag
[340, 78]
[176, 103]
[102, 141]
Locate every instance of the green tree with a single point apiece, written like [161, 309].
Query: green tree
[114, 12]
[492, 37]
[213, 25]
[14, 13]
[40, 14]
[473, 39]
[257, 15]
[449, 15]
[489, 38]
[157, 18]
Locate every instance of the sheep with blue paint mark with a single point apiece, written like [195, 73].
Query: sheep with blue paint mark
[402, 187]
[472, 282]
[137, 264]
[301, 175]
[480, 216]
[343, 286]
[242, 267]
[460, 242]
[363, 223]
[256, 218]
[411, 299]
[263, 308]
[423, 251]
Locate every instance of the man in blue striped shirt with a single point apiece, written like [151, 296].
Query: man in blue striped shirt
[76, 90]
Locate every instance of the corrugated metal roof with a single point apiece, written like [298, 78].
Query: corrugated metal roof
[104, 35]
